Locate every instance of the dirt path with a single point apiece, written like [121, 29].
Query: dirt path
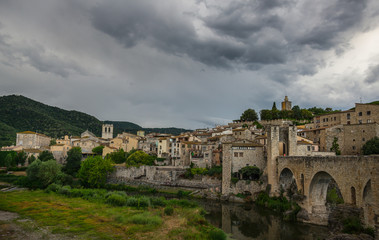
[12, 226]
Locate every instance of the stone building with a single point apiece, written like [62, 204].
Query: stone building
[29, 139]
[107, 131]
[246, 154]
[59, 151]
[286, 105]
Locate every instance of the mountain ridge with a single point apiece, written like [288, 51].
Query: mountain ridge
[19, 113]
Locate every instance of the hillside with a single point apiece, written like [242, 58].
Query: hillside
[19, 113]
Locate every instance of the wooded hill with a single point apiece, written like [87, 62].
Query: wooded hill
[19, 113]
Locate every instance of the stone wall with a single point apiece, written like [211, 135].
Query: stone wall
[243, 186]
[161, 176]
[251, 157]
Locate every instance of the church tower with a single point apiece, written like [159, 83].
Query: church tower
[286, 105]
[107, 132]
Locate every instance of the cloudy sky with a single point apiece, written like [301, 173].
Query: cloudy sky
[189, 63]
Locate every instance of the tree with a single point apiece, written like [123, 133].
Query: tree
[94, 170]
[98, 150]
[139, 158]
[8, 160]
[296, 112]
[371, 146]
[118, 156]
[53, 142]
[249, 115]
[266, 114]
[31, 159]
[46, 156]
[21, 158]
[274, 106]
[74, 158]
[335, 146]
[41, 174]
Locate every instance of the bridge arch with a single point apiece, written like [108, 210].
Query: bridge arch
[319, 186]
[368, 201]
[287, 181]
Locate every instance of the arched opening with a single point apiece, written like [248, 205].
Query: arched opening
[287, 182]
[353, 196]
[368, 202]
[323, 190]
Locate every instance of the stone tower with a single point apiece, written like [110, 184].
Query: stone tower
[286, 105]
[107, 132]
[272, 154]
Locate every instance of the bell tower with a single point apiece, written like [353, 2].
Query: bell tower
[286, 105]
[107, 132]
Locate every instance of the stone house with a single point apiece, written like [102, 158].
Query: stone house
[246, 154]
[59, 152]
[107, 150]
[29, 139]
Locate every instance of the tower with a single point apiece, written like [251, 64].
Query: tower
[107, 132]
[286, 105]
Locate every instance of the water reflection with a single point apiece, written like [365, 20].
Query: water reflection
[251, 222]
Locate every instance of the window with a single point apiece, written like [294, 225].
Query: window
[348, 116]
[335, 118]
[241, 154]
[360, 114]
[236, 154]
[353, 140]
[308, 148]
[368, 120]
[360, 121]
[353, 147]
[206, 155]
[368, 113]
[363, 139]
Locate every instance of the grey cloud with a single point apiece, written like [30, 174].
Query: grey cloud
[372, 74]
[17, 54]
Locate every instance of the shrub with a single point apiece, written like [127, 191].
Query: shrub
[158, 202]
[217, 234]
[250, 173]
[116, 200]
[182, 203]
[143, 202]
[146, 219]
[74, 158]
[234, 180]
[332, 197]
[53, 188]
[132, 202]
[42, 174]
[65, 190]
[169, 211]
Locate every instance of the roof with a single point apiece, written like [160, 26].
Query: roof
[30, 132]
[31, 150]
[246, 145]
[261, 137]
[304, 142]
[239, 129]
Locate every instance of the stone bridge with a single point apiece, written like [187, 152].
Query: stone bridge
[356, 177]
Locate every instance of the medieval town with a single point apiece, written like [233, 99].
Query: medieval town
[302, 162]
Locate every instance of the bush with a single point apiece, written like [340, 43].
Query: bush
[182, 203]
[146, 219]
[234, 180]
[65, 190]
[158, 202]
[169, 211]
[53, 188]
[132, 202]
[250, 173]
[116, 200]
[217, 234]
[332, 197]
[371, 146]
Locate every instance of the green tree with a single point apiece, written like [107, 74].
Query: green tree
[305, 114]
[335, 146]
[371, 146]
[94, 170]
[118, 156]
[266, 114]
[53, 142]
[139, 158]
[98, 150]
[249, 115]
[8, 160]
[41, 174]
[274, 106]
[21, 158]
[296, 112]
[31, 159]
[74, 158]
[46, 156]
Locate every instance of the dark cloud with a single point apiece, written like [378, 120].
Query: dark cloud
[372, 74]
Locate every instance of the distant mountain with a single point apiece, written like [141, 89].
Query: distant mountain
[19, 113]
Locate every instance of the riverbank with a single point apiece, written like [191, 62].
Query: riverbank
[74, 217]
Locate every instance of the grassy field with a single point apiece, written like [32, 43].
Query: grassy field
[83, 219]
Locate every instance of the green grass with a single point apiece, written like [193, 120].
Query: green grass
[95, 219]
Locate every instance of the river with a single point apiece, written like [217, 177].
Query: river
[247, 221]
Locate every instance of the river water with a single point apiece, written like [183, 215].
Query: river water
[247, 221]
